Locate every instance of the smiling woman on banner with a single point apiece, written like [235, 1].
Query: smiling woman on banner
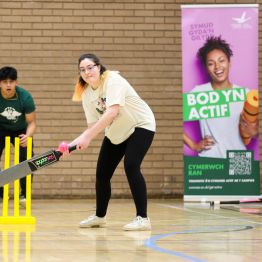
[233, 131]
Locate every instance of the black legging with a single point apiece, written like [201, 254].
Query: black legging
[134, 149]
[22, 155]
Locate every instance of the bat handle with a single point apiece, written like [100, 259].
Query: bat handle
[63, 147]
[72, 148]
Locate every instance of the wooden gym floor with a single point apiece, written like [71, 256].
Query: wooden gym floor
[180, 232]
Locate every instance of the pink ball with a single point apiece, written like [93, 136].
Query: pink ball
[63, 147]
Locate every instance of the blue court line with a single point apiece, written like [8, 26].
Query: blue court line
[151, 242]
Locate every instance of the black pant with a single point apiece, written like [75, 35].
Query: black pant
[22, 155]
[133, 149]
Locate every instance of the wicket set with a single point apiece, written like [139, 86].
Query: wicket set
[17, 218]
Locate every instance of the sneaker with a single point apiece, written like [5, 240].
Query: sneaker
[139, 223]
[93, 221]
[22, 201]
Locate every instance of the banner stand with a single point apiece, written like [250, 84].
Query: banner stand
[220, 102]
[207, 199]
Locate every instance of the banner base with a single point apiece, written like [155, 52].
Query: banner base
[208, 199]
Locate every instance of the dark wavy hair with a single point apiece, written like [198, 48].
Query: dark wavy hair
[93, 58]
[8, 72]
[214, 42]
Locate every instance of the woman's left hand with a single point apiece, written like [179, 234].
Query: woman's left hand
[82, 141]
[250, 128]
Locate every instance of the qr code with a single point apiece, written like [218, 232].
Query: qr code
[240, 163]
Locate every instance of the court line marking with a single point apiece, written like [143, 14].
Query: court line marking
[216, 215]
[152, 241]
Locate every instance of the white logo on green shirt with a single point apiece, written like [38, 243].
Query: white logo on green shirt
[11, 114]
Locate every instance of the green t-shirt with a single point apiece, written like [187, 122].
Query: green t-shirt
[12, 111]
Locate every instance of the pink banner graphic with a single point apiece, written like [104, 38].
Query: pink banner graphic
[239, 27]
[220, 96]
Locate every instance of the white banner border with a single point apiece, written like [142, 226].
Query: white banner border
[219, 5]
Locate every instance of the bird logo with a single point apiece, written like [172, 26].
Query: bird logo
[11, 114]
[242, 19]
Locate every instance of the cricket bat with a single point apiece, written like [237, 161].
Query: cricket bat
[31, 165]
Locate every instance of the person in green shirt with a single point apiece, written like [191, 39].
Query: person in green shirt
[17, 117]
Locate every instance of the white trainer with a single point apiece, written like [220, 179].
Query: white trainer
[139, 223]
[22, 201]
[93, 221]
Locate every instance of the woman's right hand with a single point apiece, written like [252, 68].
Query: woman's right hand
[205, 144]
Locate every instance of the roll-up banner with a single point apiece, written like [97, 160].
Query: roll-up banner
[220, 101]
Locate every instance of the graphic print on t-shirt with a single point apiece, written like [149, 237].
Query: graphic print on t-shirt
[11, 114]
[101, 105]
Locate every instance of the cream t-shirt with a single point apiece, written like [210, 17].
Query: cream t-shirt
[134, 112]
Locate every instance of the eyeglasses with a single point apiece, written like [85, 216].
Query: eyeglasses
[88, 68]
